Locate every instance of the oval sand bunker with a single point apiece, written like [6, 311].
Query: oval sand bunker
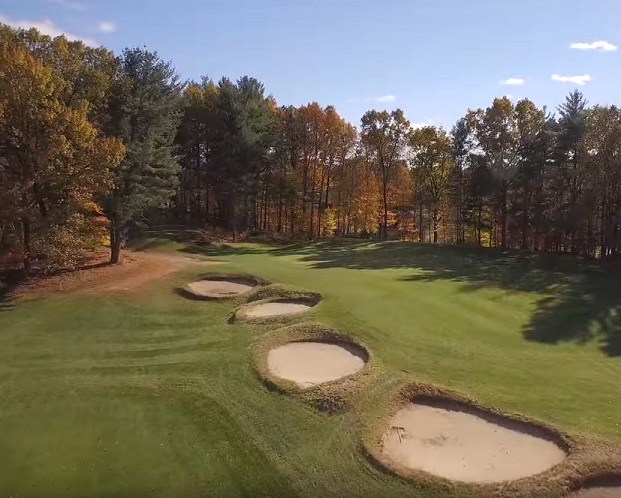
[219, 288]
[311, 363]
[266, 310]
[461, 446]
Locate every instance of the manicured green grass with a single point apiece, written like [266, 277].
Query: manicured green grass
[153, 394]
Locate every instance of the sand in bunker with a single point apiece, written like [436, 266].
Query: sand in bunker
[276, 309]
[311, 363]
[465, 447]
[218, 288]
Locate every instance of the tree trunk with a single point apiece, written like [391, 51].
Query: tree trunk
[116, 240]
[503, 220]
[525, 221]
[26, 238]
[479, 216]
[385, 198]
[421, 228]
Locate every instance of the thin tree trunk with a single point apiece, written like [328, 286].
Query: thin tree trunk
[503, 220]
[116, 239]
[385, 198]
[26, 240]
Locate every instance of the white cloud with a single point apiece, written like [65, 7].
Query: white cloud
[421, 124]
[513, 81]
[580, 79]
[510, 97]
[47, 27]
[602, 45]
[382, 99]
[69, 4]
[107, 27]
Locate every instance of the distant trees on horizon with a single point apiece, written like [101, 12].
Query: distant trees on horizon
[92, 143]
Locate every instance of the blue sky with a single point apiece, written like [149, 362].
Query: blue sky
[433, 58]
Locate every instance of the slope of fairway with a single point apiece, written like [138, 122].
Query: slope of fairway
[127, 393]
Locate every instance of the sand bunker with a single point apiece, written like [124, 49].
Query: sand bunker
[311, 363]
[266, 310]
[455, 443]
[604, 487]
[218, 289]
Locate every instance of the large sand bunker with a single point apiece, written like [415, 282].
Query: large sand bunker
[219, 288]
[461, 444]
[606, 487]
[309, 363]
[276, 308]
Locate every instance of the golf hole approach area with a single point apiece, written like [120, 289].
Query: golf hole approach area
[326, 369]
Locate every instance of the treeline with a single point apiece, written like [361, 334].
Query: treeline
[510, 176]
[92, 144]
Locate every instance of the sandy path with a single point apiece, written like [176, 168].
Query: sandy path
[464, 447]
[136, 270]
[311, 363]
[275, 309]
[218, 288]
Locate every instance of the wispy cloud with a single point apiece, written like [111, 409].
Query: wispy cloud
[70, 4]
[107, 27]
[601, 45]
[47, 27]
[513, 81]
[510, 97]
[382, 99]
[580, 79]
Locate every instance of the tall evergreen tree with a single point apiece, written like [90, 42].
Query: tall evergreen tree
[240, 153]
[144, 112]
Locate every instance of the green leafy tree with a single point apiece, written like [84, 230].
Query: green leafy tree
[144, 112]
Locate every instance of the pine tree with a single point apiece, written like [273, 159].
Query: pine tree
[144, 112]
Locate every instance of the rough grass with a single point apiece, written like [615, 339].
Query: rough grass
[153, 394]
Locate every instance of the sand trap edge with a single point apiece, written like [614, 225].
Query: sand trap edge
[585, 455]
[233, 277]
[601, 478]
[311, 299]
[333, 396]
[277, 291]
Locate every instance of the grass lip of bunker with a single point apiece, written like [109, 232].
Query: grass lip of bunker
[276, 302]
[215, 287]
[330, 387]
[603, 486]
[309, 363]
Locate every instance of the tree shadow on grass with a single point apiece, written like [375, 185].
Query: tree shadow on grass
[220, 250]
[580, 301]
